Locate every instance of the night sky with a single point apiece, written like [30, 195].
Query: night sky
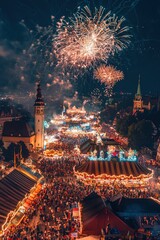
[142, 57]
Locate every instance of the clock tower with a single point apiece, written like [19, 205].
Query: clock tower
[39, 119]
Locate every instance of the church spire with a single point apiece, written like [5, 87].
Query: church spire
[139, 87]
[39, 100]
[138, 102]
[138, 94]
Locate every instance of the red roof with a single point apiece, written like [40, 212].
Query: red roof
[95, 216]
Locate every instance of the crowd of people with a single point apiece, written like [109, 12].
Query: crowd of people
[53, 205]
[150, 221]
[50, 215]
[65, 146]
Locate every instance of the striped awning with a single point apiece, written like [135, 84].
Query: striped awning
[13, 189]
[90, 145]
[112, 169]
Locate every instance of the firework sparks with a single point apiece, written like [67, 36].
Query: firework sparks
[60, 53]
[108, 75]
[88, 38]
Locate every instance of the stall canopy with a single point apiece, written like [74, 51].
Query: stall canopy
[95, 216]
[32, 174]
[112, 168]
[13, 189]
[127, 207]
[90, 145]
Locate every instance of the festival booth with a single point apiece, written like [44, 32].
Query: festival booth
[108, 162]
[17, 189]
[119, 217]
[102, 172]
[98, 219]
[109, 148]
[50, 153]
[142, 213]
[125, 207]
[75, 131]
[74, 111]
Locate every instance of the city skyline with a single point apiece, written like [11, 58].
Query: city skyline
[79, 119]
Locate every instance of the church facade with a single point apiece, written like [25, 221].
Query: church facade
[18, 130]
[141, 103]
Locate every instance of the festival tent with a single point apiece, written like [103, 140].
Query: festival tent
[92, 209]
[133, 207]
[13, 189]
[90, 145]
[111, 169]
[95, 216]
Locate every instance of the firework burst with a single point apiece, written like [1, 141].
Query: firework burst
[108, 75]
[88, 38]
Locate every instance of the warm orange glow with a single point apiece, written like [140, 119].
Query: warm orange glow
[110, 178]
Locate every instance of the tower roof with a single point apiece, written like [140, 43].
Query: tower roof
[138, 94]
[39, 100]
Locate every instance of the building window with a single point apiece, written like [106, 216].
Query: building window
[38, 120]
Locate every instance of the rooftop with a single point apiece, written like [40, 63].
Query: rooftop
[13, 189]
[17, 128]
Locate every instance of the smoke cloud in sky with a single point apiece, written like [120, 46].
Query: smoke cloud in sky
[17, 72]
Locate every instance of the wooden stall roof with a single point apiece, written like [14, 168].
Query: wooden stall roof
[13, 189]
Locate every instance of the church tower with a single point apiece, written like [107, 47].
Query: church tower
[39, 119]
[138, 102]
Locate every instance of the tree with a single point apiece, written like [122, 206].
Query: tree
[24, 149]
[122, 124]
[108, 114]
[141, 134]
[10, 152]
[2, 150]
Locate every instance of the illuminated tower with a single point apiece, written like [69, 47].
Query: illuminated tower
[138, 102]
[39, 119]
